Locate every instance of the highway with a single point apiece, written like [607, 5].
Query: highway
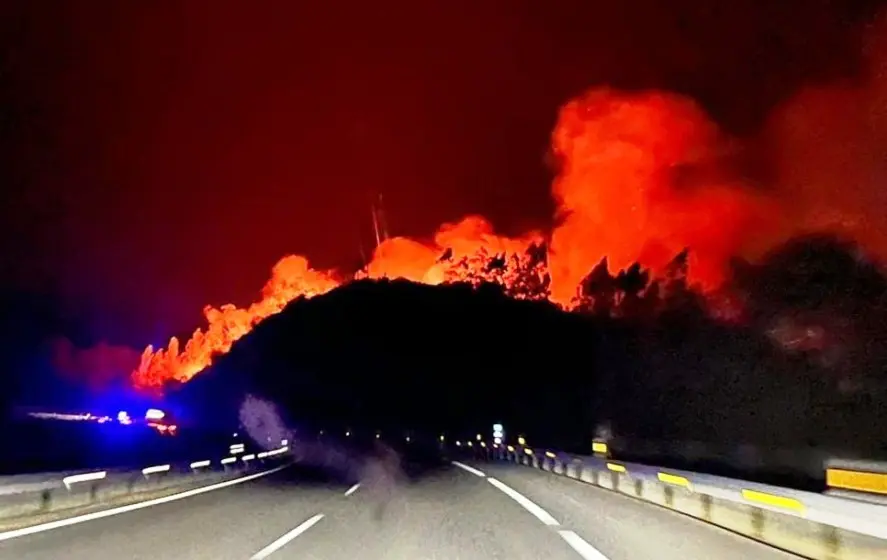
[445, 512]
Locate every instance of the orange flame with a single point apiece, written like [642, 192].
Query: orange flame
[292, 278]
[642, 177]
[400, 257]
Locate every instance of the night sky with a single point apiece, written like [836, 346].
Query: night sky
[160, 156]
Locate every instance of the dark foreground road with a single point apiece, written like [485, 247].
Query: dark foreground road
[445, 513]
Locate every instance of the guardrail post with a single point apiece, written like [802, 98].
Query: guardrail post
[571, 469]
[669, 497]
[832, 540]
[706, 506]
[45, 500]
[757, 522]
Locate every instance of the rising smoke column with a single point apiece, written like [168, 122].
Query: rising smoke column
[263, 422]
[642, 177]
[827, 145]
[97, 367]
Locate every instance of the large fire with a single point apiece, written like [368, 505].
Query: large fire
[292, 277]
[641, 177]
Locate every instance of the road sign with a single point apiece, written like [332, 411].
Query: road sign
[498, 433]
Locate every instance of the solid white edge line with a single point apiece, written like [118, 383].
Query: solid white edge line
[540, 513]
[472, 470]
[130, 507]
[287, 537]
[352, 490]
[581, 546]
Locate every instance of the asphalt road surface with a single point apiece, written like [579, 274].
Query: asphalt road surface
[445, 512]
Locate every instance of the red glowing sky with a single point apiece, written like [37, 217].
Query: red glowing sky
[162, 159]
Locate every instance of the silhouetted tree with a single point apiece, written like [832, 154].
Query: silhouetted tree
[530, 277]
[681, 303]
[521, 276]
[597, 291]
[630, 294]
[630, 286]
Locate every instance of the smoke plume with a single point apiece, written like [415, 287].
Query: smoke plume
[96, 367]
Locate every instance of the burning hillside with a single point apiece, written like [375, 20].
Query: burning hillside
[641, 177]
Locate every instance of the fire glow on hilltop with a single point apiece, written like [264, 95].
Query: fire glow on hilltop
[641, 177]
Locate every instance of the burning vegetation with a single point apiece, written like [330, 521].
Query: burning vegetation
[647, 186]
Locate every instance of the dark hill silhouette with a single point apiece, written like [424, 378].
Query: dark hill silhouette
[641, 357]
[386, 354]
[397, 355]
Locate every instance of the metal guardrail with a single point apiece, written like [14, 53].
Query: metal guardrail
[813, 525]
[25, 496]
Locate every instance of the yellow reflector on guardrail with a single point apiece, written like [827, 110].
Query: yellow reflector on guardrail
[550, 455]
[528, 451]
[773, 500]
[860, 481]
[673, 479]
[615, 467]
[599, 447]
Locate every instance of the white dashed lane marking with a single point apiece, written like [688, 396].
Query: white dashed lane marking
[472, 470]
[287, 537]
[577, 543]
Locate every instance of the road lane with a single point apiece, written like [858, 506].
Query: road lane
[623, 528]
[449, 514]
[233, 522]
[488, 511]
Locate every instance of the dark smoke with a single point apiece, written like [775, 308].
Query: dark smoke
[97, 367]
[825, 148]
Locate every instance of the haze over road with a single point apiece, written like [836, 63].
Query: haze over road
[447, 513]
